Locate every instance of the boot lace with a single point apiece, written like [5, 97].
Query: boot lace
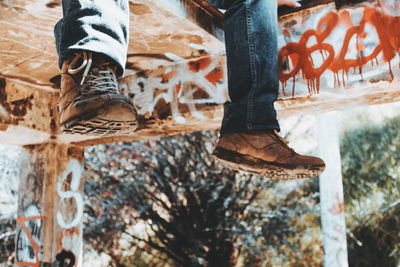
[97, 80]
[284, 142]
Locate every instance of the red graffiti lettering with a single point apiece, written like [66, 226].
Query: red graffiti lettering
[300, 55]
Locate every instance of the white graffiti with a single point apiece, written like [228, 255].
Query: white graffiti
[28, 236]
[75, 169]
[69, 240]
[69, 246]
[184, 83]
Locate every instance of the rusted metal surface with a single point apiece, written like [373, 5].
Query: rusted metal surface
[49, 223]
[176, 72]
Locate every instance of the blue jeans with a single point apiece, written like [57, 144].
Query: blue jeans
[250, 26]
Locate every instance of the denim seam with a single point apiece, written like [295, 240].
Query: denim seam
[250, 104]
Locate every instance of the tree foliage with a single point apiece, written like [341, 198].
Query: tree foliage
[371, 177]
[7, 241]
[192, 211]
[169, 200]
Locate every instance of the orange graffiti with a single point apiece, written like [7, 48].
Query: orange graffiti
[338, 207]
[21, 221]
[177, 88]
[167, 76]
[286, 33]
[197, 82]
[386, 26]
[199, 64]
[216, 75]
[67, 232]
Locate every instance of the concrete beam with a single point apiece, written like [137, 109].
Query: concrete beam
[199, 12]
[176, 75]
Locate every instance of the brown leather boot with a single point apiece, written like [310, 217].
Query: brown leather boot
[90, 101]
[267, 154]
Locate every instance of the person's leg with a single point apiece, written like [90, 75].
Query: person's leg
[100, 26]
[249, 139]
[252, 56]
[92, 41]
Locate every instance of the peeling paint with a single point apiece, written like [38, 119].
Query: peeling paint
[17, 108]
[53, 3]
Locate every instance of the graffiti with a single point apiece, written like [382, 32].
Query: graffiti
[66, 257]
[339, 235]
[338, 207]
[183, 85]
[68, 239]
[74, 169]
[69, 243]
[327, 49]
[390, 7]
[338, 45]
[28, 237]
[338, 230]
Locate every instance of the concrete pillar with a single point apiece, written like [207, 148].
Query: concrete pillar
[50, 206]
[331, 192]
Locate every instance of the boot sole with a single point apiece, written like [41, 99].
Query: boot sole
[260, 167]
[104, 122]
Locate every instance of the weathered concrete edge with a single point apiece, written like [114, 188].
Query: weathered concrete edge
[370, 94]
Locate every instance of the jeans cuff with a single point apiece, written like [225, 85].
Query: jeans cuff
[113, 50]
